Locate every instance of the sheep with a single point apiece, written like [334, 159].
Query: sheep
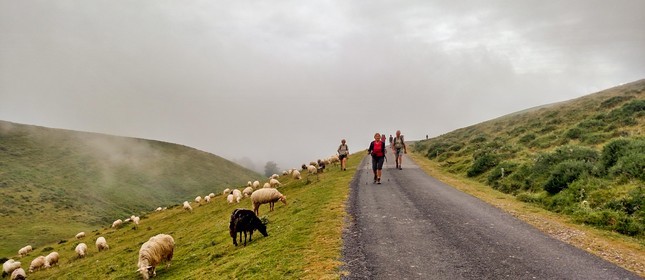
[136, 220]
[18, 274]
[207, 199]
[37, 263]
[238, 195]
[211, 195]
[127, 220]
[230, 198]
[80, 235]
[256, 184]
[248, 191]
[243, 221]
[226, 191]
[263, 196]
[198, 199]
[274, 183]
[51, 259]
[101, 244]
[321, 165]
[24, 251]
[81, 250]
[157, 249]
[9, 266]
[117, 223]
[274, 176]
[296, 175]
[187, 207]
[266, 185]
[312, 169]
[158, 209]
[249, 184]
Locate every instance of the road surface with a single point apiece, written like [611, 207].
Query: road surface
[413, 226]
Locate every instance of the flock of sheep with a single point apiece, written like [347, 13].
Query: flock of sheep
[160, 248]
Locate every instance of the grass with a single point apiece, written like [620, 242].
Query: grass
[304, 239]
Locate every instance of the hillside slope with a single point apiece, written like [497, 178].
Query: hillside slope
[584, 157]
[56, 182]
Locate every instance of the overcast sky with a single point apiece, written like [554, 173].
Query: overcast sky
[286, 80]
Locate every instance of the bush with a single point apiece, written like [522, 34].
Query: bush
[630, 166]
[527, 138]
[482, 163]
[573, 133]
[565, 173]
[531, 197]
[613, 101]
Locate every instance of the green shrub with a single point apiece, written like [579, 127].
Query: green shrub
[573, 133]
[565, 173]
[613, 101]
[478, 139]
[531, 197]
[613, 151]
[630, 166]
[527, 138]
[482, 163]
[502, 170]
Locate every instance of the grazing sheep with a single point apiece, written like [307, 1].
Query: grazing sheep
[81, 250]
[127, 220]
[101, 244]
[187, 207]
[24, 251]
[158, 209]
[51, 259]
[263, 196]
[198, 199]
[321, 165]
[249, 184]
[211, 195]
[274, 183]
[9, 266]
[80, 235]
[248, 191]
[157, 249]
[230, 198]
[226, 191]
[243, 221]
[274, 176]
[136, 220]
[312, 169]
[37, 263]
[117, 223]
[303, 167]
[237, 193]
[207, 199]
[296, 175]
[256, 184]
[18, 274]
[266, 185]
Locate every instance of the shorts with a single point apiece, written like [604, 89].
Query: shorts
[398, 152]
[341, 157]
[377, 163]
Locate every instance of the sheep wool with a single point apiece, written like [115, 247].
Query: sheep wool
[207, 199]
[117, 223]
[312, 169]
[263, 196]
[136, 220]
[296, 175]
[37, 263]
[266, 185]
[211, 195]
[256, 184]
[274, 183]
[81, 250]
[51, 259]
[226, 191]
[80, 235]
[101, 244]
[157, 249]
[158, 209]
[248, 191]
[230, 198]
[198, 199]
[18, 274]
[9, 266]
[24, 251]
[187, 207]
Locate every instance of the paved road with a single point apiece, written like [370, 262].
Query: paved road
[414, 227]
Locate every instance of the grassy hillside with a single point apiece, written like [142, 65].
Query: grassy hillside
[304, 239]
[54, 183]
[584, 158]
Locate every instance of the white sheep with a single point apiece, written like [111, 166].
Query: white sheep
[9, 266]
[256, 184]
[136, 220]
[158, 209]
[248, 191]
[274, 176]
[187, 207]
[312, 169]
[127, 220]
[198, 199]
[226, 191]
[80, 235]
[157, 249]
[37, 263]
[81, 250]
[274, 183]
[207, 199]
[117, 223]
[101, 244]
[24, 251]
[238, 195]
[263, 196]
[51, 259]
[266, 185]
[230, 198]
[211, 195]
[249, 184]
[296, 175]
[18, 274]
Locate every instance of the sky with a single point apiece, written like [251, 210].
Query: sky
[285, 81]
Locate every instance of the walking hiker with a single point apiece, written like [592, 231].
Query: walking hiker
[377, 151]
[391, 139]
[398, 145]
[343, 154]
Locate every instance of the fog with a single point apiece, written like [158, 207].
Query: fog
[285, 81]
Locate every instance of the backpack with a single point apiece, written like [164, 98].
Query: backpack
[398, 144]
[342, 150]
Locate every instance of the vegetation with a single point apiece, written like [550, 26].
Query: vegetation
[584, 158]
[55, 183]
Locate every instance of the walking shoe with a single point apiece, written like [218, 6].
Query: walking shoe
[378, 181]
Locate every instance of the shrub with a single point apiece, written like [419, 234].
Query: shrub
[531, 197]
[527, 138]
[613, 151]
[613, 101]
[573, 133]
[482, 163]
[630, 166]
[478, 139]
[565, 173]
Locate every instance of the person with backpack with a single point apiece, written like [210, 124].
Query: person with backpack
[398, 145]
[377, 151]
[343, 154]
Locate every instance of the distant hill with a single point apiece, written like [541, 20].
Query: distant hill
[56, 182]
[584, 157]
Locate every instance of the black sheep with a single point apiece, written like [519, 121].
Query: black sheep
[243, 221]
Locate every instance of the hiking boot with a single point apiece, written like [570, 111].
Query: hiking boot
[378, 181]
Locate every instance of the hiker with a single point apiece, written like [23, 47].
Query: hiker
[377, 151]
[343, 154]
[391, 139]
[398, 145]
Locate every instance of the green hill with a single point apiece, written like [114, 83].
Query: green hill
[54, 183]
[584, 157]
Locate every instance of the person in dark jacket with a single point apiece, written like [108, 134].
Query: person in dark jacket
[377, 151]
